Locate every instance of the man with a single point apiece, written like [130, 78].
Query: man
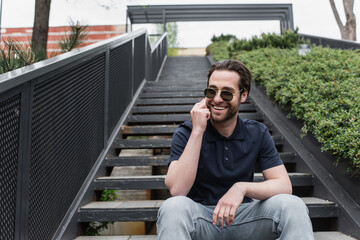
[211, 171]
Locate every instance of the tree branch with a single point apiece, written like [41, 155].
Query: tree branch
[337, 17]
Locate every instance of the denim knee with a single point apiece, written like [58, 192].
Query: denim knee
[179, 206]
[176, 204]
[175, 218]
[291, 203]
[293, 216]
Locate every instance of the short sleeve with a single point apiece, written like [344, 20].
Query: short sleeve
[268, 155]
[178, 143]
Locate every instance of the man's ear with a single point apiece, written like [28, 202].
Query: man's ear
[244, 96]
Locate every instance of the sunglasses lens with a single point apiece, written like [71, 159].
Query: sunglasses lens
[226, 95]
[209, 92]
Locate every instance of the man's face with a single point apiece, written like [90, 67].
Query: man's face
[221, 110]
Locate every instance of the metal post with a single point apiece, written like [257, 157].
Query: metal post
[106, 102]
[164, 21]
[126, 24]
[0, 17]
[22, 224]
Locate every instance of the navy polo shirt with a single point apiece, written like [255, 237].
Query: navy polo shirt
[226, 160]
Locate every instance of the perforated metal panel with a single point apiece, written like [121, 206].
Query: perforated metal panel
[139, 61]
[148, 62]
[119, 83]
[67, 138]
[154, 63]
[9, 146]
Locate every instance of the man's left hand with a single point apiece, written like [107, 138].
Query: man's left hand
[226, 208]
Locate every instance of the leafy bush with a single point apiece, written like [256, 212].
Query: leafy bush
[94, 228]
[321, 88]
[289, 39]
[75, 38]
[15, 55]
[219, 50]
[223, 37]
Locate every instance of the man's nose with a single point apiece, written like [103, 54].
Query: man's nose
[218, 97]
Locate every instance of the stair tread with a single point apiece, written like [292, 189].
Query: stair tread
[172, 101]
[161, 143]
[157, 129]
[257, 176]
[158, 181]
[178, 118]
[180, 108]
[133, 204]
[317, 236]
[179, 94]
[154, 204]
[148, 129]
[331, 236]
[146, 210]
[162, 160]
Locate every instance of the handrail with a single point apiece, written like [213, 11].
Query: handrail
[58, 119]
[158, 42]
[331, 42]
[19, 76]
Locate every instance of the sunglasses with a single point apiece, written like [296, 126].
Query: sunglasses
[225, 95]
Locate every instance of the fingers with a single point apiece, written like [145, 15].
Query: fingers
[232, 215]
[224, 214]
[215, 214]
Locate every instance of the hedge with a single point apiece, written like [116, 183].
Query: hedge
[321, 88]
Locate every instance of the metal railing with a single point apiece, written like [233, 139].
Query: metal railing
[56, 119]
[329, 42]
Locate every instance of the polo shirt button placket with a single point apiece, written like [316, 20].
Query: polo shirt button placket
[226, 153]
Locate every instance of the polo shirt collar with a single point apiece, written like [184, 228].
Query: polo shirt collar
[213, 135]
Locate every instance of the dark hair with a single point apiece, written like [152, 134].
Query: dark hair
[236, 66]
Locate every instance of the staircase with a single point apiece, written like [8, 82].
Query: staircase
[161, 107]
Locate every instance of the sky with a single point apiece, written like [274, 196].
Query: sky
[310, 16]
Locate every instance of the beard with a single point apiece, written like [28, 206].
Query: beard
[231, 112]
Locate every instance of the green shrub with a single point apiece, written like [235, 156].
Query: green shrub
[94, 228]
[173, 52]
[219, 50]
[289, 39]
[75, 38]
[321, 88]
[223, 37]
[15, 55]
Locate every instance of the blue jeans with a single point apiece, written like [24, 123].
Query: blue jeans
[283, 216]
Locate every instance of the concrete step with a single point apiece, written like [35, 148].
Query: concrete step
[146, 210]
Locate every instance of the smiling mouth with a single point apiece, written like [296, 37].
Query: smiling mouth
[218, 108]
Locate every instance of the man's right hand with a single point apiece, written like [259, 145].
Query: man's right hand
[199, 116]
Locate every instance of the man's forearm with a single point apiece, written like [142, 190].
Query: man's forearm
[266, 189]
[182, 173]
